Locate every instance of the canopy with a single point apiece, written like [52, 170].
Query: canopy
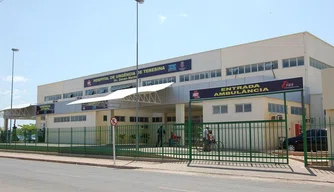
[127, 93]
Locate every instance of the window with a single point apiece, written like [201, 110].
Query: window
[202, 75]
[52, 97]
[61, 119]
[156, 119]
[239, 108]
[171, 119]
[105, 118]
[269, 65]
[260, 67]
[70, 119]
[228, 71]
[274, 65]
[220, 109]
[213, 74]
[42, 118]
[318, 64]
[254, 68]
[140, 119]
[285, 63]
[72, 94]
[97, 91]
[296, 110]
[162, 80]
[78, 118]
[219, 73]
[275, 108]
[293, 62]
[181, 78]
[247, 69]
[120, 87]
[121, 118]
[186, 78]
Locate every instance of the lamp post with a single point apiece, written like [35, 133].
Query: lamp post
[137, 79]
[11, 93]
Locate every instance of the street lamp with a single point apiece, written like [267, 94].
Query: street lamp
[137, 82]
[11, 93]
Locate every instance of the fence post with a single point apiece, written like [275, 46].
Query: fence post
[162, 144]
[190, 132]
[100, 151]
[286, 129]
[218, 142]
[58, 139]
[47, 140]
[71, 139]
[304, 129]
[250, 140]
[85, 139]
[330, 143]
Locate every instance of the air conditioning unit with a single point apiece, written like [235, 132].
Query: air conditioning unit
[310, 120]
[279, 117]
[55, 101]
[79, 97]
[276, 117]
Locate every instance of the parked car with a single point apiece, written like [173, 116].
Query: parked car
[316, 141]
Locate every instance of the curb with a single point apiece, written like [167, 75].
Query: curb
[145, 159]
[159, 169]
[73, 163]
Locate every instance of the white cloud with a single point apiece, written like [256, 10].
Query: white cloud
[183, 15]
[162, 18]
[16, 79]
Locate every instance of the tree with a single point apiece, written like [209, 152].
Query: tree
[26, 128]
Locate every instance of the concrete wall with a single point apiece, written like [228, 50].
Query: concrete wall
[319, 49]
[327, 86]
[256, 114]
[316, 105]
[279, 48]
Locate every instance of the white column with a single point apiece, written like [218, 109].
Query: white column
[179, 114]
[5, 124]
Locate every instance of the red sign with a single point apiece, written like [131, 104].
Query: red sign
[113, 121]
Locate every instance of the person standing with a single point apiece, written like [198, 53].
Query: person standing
[160, 133]
[205, 138]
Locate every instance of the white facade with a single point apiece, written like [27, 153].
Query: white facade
[275, 50]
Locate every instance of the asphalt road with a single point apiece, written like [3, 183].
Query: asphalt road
[34, 176]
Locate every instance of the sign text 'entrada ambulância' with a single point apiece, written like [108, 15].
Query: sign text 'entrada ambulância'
[281, 85]
[240, 90]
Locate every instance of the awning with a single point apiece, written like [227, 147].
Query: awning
[147, 94]
[23, 111]
[22, 106]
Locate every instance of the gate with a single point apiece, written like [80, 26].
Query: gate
[248, 141]
[318, 143]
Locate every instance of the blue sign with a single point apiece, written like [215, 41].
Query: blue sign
[142, 73]
[282, 85]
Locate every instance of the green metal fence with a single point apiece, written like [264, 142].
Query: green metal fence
[249, 141]
[319, 142]
[98, 141]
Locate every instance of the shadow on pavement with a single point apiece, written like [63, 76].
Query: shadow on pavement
[267, 168]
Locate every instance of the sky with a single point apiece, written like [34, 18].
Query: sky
[64, 39]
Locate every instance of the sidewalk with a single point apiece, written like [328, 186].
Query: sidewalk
[294, 172]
